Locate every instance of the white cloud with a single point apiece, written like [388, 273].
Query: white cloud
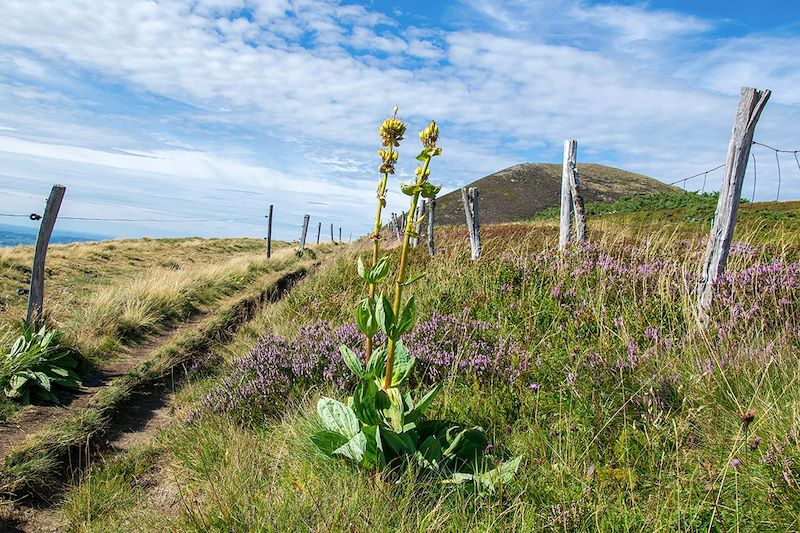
[509, 85]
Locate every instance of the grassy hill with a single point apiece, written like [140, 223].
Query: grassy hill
[522, 191]
[590, 364]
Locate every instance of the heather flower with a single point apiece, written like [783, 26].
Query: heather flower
[735, 463]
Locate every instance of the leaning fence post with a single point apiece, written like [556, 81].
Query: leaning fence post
[431, 215]
[470, 199]
[319, 231]
[36, 294]
[565, 222]
[751, 104]
[305, 231]
[575, 191]
[334, 242]
[269, 232]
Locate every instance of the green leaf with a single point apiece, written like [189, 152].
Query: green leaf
[373, 452]
[393, 415]
[429, 190]
[351, 360]
[384, 314]
[338, 417]
[467, 445]
[410, 189]
[403, 364]
[354, 448]
[376, 366]
[413, 279]
[423, 404]
[42, 379]
[362, 271]
[401, 443]
[365, 317]
[428, 153]
[407, 317]
[328, 441]
[364, 402]
[431, 450]
[378, 272]
[498, 476]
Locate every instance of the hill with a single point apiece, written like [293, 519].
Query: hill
[522, 191]
[18, 235]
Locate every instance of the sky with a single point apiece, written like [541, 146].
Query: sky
[205, 112]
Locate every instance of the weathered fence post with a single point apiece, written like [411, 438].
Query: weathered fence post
[36, 294]
[340, 234]
[470, 200]
[565, 222]
[319, 231]
[269, 232]
[305, 231]
[751, 104]
[575, 190]
[334, 242]
[397, 224]
[431, 215]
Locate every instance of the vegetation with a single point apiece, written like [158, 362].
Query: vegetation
[35, 364]
[695, 206]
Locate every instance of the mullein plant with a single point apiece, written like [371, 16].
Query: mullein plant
[381, 424]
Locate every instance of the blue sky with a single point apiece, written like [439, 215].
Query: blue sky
[213, 109]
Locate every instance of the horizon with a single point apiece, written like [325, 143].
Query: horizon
[214, 109]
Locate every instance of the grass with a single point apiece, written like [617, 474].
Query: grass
[639, 420]
[35, 466]
[107, 297]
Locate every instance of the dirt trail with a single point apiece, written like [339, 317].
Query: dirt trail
[35, 417]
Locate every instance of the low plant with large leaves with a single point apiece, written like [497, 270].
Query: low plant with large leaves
[382, 424]
[36, 364]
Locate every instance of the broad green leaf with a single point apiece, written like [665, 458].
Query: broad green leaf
[338, 417]
[376, 366]
[42, 379]
[500, 475]
[410, 189]
[403, 364]
[379, 271]
[351, 360]
[468, 444]
[431, 450]
[354, 448]
[401, 444]
[429, 190]
[393, 415]
[423, 404]
[384, 314]
[364, 402]
[365, 317]
[373, 452]
[407, 317]
[328, 441]
[414, 278]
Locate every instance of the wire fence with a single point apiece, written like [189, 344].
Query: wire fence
[776, 151]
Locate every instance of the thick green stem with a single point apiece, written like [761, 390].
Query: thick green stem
[401, 278]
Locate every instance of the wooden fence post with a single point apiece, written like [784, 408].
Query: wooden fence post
[319, 231]
[576, 191]
[36, 294]
[340, 234]
[305, 231]
[470, 199]
[334, 242]
[431, 215]
[751, 104]
[269, 232]
[565, 222]
[397, 224]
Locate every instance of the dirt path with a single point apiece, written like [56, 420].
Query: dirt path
[35, 417]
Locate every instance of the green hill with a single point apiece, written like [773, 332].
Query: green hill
[522, 191]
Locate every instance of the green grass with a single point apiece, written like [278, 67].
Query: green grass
[645, 447]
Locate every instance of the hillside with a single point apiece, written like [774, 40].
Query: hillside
[588, 365]
[521, 191]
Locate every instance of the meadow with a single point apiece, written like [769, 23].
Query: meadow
[590, 364]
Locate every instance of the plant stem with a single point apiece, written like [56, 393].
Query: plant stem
[401, 277]
[376, 235]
